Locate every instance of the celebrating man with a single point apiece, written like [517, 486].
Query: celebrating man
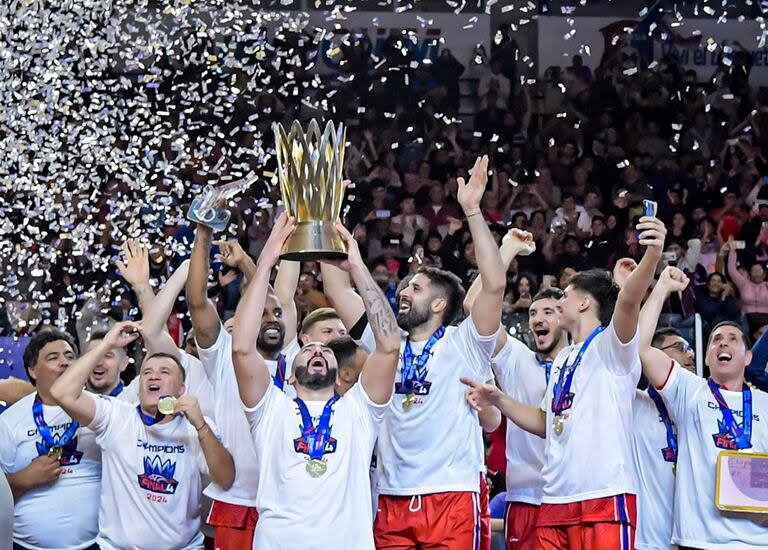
[165, 438]
[586, 414]
[314, 451]
[712, 416]
[428, 464]
[51, 462]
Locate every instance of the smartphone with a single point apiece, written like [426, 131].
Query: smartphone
[649, 208]
[669, 256]
[740, 245]
[383, 213]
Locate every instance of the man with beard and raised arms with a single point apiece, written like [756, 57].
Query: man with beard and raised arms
[711, 416]
[523, 375]
[233, 512]
[50, 460]
[427, 457]
[586, 414]
[314, 451]
[170, 450]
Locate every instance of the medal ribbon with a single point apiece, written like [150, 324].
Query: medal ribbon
[547, 365]
[45, 431]
[279, 377]
[662, 408]
[564, 381]
[117, 391]
[316, 436]
[416, 370]
[149, 420]
[742, 435]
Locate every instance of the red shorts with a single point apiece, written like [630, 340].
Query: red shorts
[520, 525]
[234, 525]
[485, 514]
[440, 521]
[597, 524]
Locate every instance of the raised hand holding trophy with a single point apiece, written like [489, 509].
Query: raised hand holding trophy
[206, 209]
[311, 184]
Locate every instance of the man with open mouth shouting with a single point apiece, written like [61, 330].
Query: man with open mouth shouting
[427, 461]
[165, 439]
[314, 451]
[713, 417]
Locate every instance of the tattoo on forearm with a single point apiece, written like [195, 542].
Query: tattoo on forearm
[380, 315]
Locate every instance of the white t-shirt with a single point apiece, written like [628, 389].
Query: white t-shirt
[235, 432]
[697, 522]
[520, 376]
[425, 449]
[297, 510]
[655, 476]
[598, 427]
[152, 480]
[196, 383]
[45, 517]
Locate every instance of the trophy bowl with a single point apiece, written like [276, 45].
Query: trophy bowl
[311, 185]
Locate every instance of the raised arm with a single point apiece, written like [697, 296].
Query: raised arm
[338, 289]
[733, 271]
[205, 318]
[286, 281]
[486, 314]
[253, 378]
[135, 271]
[481, 396]
[68, 390]
[154, 319]
[516, 242]
[378, 375]
[627, 311]
[655, 362]
[756, 373]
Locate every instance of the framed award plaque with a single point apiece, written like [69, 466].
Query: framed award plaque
[741, 482]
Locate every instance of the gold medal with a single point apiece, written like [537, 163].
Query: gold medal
[558, 424]
[408, 401]
[315, 467]
[55, 452]
[166, 404]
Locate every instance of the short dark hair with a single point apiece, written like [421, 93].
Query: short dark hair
[320, 314]
[345, 349]
[172, 357]
[548, 293]
[744, 336]
[38, 342]
[662, 333]
[599, 284]
[449, 285]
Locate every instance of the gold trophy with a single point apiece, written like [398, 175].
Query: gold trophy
[310, 173]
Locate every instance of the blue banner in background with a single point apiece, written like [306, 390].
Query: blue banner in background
[11, 357]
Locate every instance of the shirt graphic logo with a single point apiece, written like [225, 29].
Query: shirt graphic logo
[417, 388]
[301, 445]
[69, 453]
[158, 476]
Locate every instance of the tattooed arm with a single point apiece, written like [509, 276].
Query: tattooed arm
[378, 377]
[205, 318]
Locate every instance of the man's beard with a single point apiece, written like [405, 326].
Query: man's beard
[551, 347]
[412, 318]
[102, 386]
[314, 381]
[269, 346]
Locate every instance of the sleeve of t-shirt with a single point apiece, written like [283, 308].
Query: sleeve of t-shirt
[212, 357]
[678, 390]
[197, 382]
[620, 358]
[109, 413]
[130, 393]
[371, 413]
[475, 350]
[8, 448]
[367, 340]
[264, 409]
[508, 356]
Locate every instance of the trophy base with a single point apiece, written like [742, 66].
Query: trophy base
[314, 241]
